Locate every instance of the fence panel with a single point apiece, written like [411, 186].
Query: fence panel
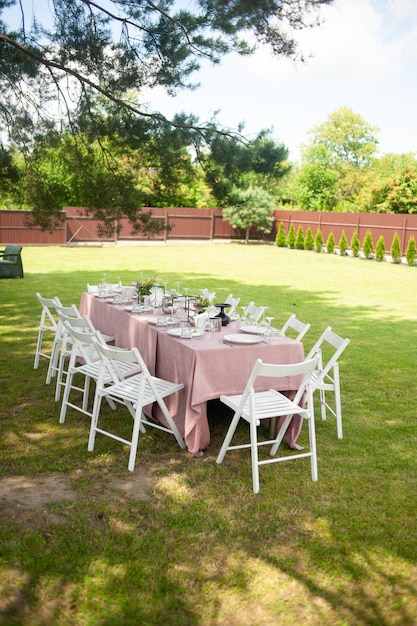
[15, 228]
[206, 224]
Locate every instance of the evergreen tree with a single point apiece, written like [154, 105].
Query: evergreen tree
[380, 249]
[410, 254]
[299, 240]
[281, 238]
[355, 245]
[250, 208]
[367, 245]
[309, 240]
[318, 241]
[343, 244]
[396, 249]
[291, 237]
[330, 244]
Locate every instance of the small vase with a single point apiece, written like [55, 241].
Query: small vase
[223, 316]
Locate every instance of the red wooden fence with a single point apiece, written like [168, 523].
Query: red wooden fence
[206, 224]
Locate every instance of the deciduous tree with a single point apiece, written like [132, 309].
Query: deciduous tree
[56, 57]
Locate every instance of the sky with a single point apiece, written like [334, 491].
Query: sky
[364, 56]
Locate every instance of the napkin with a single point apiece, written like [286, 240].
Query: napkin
[200, 319]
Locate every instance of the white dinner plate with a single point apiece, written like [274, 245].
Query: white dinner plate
[152, 320]
[243, 338]
[176, 332]
[253, 330]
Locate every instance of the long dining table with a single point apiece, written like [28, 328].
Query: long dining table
[207, 366]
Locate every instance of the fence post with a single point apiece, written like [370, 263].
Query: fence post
[403, 237]
[166, 226]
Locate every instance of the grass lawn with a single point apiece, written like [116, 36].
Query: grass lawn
[183, 541]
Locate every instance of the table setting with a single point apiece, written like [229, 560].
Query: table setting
[204, 348]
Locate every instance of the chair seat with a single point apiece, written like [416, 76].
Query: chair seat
[268, 404]
[129, 389]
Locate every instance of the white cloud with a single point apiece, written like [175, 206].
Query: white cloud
[364, 57]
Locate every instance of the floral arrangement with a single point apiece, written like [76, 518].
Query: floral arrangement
[144, 287]
[204, 301]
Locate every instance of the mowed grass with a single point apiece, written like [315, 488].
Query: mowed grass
[196, 546]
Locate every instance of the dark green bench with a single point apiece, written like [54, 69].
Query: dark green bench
[11, 262]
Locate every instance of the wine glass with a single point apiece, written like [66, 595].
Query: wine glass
[265, 326]
[243, 317]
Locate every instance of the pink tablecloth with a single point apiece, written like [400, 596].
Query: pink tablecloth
[208, 368]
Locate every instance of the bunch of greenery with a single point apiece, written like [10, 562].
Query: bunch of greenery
[318, 241]
[367, 245]
[396, 249]
[343, 244]
[330, 244]
[410, 253]
[309, 240]
[380, 249]
[355, 245]
[281, 238]
[299, 240]
[291, 237]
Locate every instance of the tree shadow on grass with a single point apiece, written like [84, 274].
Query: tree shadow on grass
[341, 550]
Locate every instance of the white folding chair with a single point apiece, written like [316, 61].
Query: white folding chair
[85, 361]
[233, 303]
[326, 377]
[297, 325]
[254, 406]
[93, 289]
[48, 324]
[83, 325]
[140, 390]
[255, 311]
[62, 344]
[63, 312]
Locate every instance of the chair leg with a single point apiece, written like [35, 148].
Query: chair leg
[313, 449]
[86, 393]
[171, 423]
[94, 421]
[135, 439]
[228, 437]
[254, 455]
[338, 402]
[38, 349]
[323, 404]
[67, 391]
[280, 435]
[60, 372]
[53, 361]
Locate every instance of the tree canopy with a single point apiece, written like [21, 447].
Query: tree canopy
[66, 50]
[71, 65]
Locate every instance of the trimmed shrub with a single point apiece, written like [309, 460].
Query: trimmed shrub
[309, 240]
[343, 244]
[281, 238]
[355, 245]
[330, 244]
[291, 237]
[410, 254]
[318, 241]
[299, 240]
[380, 249]
[367, 245]
[396, 249]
